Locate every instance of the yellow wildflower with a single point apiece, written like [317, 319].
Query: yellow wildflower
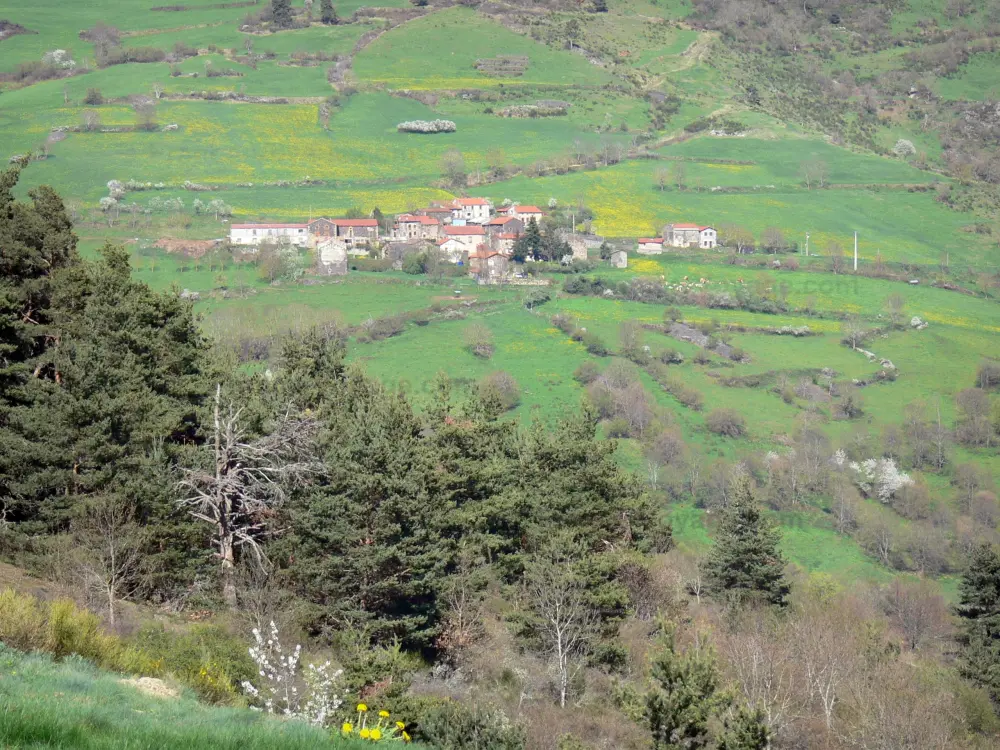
[376, 734]
[406, 737]
[384, 714]
[400, 725]
[364, 734]
[362, 707]
[347, 727]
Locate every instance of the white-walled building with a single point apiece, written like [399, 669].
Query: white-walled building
[473, 210]
[690, 235]
[281, 234]
[650, 245]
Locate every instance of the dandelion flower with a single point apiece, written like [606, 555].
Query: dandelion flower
[400, 725]
[384, 714]
[376, 734]
[364, 734]
[406, 737]
[347, 727]
[362, 707]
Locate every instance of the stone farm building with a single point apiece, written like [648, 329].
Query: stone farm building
[416, 227]
[690, 235]
[279, 234]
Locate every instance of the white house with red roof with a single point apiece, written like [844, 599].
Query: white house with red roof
[650, 245]
[470, 235]
[525, 213]
[690, 235]
[474, 210]
[281, 234]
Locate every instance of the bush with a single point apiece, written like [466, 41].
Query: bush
[564, 322]
[726, 422]
[22, 622]
[988, 374]
[587, 373]
[71, 630]
[501, 386]
[594, 344]
[449, 725]
[671, 357]
[93, 97]
[618, 428]
[479, 340]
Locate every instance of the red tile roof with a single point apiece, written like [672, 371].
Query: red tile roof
[410, 219]
[467, 231]
[686, 225]
[702, 229]
[649, 240]
[355, 222]
[269, 226]
[471, 202]
[500, 220]
[528, 210]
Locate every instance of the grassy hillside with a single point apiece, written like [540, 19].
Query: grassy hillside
[73, 704]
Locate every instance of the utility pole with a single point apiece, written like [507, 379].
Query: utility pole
[807, 244]
[855, 251]
[574, 223]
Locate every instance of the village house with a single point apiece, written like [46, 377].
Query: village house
[416, 227]
[504, 225]
[489, 266]
[281, 234]
[690, 235]
[453, 249]
[503, 242]
[441, 213]
[650, 245]
[618, 259]
[357, 232]
[473, 210]
[320, 229]
[525, 213]
[470, 235]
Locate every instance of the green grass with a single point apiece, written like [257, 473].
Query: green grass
[73, 704]
[979, 79]
[439, 51]
[902, 225]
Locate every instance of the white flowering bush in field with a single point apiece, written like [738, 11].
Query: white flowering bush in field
[427, 126]
[879, 477]
[309, 695]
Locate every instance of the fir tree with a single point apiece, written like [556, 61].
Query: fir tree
[684, 696]
[328, 14]
[281, 13]
[745, 565]
[530, 244]
[979, 610]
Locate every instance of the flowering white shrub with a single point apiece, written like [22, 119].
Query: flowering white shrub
[839, 458]
[427, 126]
[59, 58]
[280, 691]
[879, 477]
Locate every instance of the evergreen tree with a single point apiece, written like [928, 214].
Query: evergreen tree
[600, 6]
[328, 14]
[366, 543]
[979, 610]
[746, 730]
[281, 13]
[684, 696]
[745, 564]
[530, 244]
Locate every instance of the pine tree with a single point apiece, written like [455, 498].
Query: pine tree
[979, 610]
[746, 730]
[745, 565]
[281, 13]
[366, 543]
[530, 244]
[685, 695]
[328, 14]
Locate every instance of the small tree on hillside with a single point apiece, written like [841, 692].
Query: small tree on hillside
[453, 167]
[745, 564]
[479, 340]
[979, 610]
[328, 14]
[853, 331]
[281, 13]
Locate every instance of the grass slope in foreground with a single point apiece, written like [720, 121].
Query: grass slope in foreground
[74, 704]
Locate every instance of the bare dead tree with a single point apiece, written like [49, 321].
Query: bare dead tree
[564, 622]
[109, 551]
[246, 483]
